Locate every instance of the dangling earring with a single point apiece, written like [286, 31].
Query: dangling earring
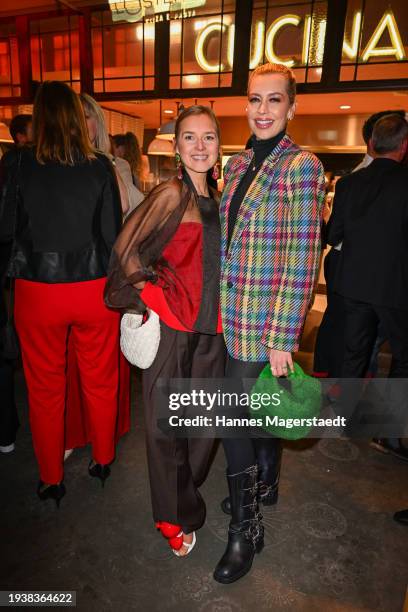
[179, 166]
[216, 172]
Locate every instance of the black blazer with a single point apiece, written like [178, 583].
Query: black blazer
[68, 218]
[370, 217]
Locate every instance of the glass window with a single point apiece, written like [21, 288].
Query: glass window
[123, 54]
[202, 46]
[290, 33]
[373, 45]
[55, 50]
[9, 62]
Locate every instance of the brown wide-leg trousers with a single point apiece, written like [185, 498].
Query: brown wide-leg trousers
[178, 466]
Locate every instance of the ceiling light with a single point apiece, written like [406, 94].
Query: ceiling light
[345, 106]
[166, 131]
[167, 111]
[4, 133]
[192, 79]
[161, 147]
[145, 31]
[175, 28]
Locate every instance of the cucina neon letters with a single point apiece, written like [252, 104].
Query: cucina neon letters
[312, 46]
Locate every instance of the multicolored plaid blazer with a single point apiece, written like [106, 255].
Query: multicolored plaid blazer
[269, 269]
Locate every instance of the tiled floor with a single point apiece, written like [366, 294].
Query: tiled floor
[331, 543]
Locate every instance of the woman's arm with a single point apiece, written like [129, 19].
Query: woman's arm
[137, 246]
[290, 300]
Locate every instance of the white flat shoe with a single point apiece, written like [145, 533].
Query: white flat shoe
[68, 453]
[188, 546]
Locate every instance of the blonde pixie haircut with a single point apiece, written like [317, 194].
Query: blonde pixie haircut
[271, 68]
[102, 141]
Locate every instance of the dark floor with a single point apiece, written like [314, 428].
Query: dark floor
[331, 543]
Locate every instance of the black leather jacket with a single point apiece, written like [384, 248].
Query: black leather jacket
[67, 218]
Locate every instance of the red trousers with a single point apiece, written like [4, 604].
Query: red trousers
[45, 315]
[77, 426]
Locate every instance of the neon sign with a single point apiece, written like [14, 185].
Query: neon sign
[135, 10]
[312, 44]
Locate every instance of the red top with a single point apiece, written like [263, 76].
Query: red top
[183, 253]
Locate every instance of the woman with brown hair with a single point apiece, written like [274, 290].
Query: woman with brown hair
[126, 146]
[68, 216]
[77, 427]
[167, 257]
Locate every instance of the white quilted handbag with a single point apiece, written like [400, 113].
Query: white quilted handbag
[139, 341]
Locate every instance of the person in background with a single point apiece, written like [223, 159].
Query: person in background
[131, 197]
[21, 129]
[167, 258]
[127, 147]
[370, 219]
[271, 214]
[77, 432]
[329, 346]
[22, 133]
[9, 421]
[68, 217]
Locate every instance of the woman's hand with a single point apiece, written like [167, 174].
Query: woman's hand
[140, 285]
[281, 362]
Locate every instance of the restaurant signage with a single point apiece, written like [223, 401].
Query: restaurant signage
[135, 10]
[313, 38]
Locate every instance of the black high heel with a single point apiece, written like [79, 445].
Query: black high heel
[97, 470]
[55, 492]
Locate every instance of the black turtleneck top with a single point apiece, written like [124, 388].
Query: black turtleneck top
[261, 148]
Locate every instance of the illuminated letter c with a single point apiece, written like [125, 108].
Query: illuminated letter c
[278, 24]
[199, 47]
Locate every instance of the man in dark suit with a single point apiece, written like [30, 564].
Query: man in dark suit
[329, 347]
[370, 217]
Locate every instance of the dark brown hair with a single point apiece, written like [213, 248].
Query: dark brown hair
[19, 125]
[193, 111]
[59, 126]
[133, 154]
[277, 69]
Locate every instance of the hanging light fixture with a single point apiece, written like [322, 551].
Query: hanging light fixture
[163, 144]
[159, 146]
[4, 133]
[167, 130]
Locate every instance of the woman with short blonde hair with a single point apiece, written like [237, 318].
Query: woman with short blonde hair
[271, 213]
